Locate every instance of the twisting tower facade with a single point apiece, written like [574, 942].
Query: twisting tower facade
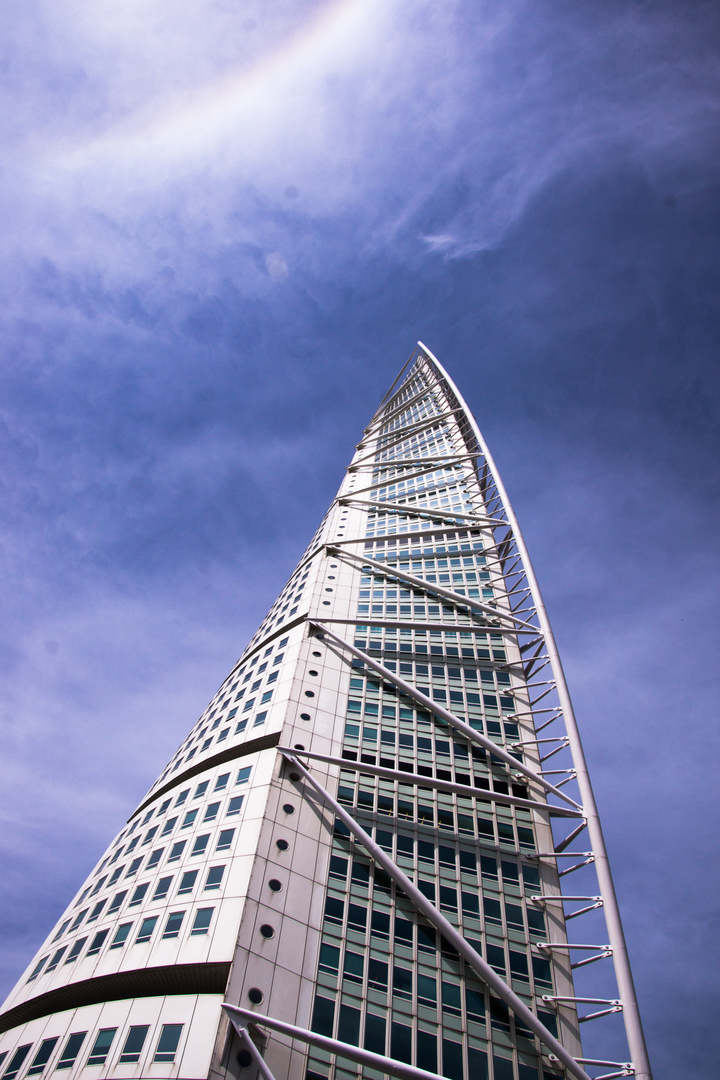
[352, 866]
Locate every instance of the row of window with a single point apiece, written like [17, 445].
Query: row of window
[210, 720]
[132, 1048]
[449, 818]
[173, 925]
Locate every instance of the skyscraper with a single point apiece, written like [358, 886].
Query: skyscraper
[352, 865]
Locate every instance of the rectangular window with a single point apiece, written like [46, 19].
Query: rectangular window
[223, 734]
[222, 782]
[212, 812]
[187, 881]
[172, 926]
[121, 936]
[71, 1051]
[134, 1043]
[38, 968]
[134, 867]
[234, 805]
[149, 835]
[168, 1043]
[182, 797]
[16, 1062]
[176, 850]
[203, 917]
[225, 839]
[97, 942]
[95, 913]
[260, 719]
[43, 1056]
[200, 845]
[57, 957]
[162, 889]
[154, 859]
[244, 775]
[139, 895]
[201, 789]
[214, 878]
[98, 886]
[101, 1046]
[189, 819]
[117, 902]
[169, 826]
[76, 950]
[146, 928]
[78, 919]
[62, 930]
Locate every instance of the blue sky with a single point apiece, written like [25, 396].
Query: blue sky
[224, 229]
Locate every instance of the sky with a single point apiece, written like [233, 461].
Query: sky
[224, 227]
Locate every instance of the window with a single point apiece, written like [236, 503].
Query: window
[38, 968]
[146, 928]
[187, 881]
[101, 1046]
[43, 1056]
[176, 850]
[162, 889]
[134, 867]
[94, 914]
[203, 917]
[76, 950]
[225, 839]
[71, 1051]
[259, 719]
[244, 775]
[57, 957]
[121, 936]
[215, 876]
[169, 826]
[98, 886]
[178, 802]
[172, 926]
[97, 942]
[62, 930]
[200, 845]
[154, 859]
[78, 919]
[117, 902]
[189, 819]
[16, 1062]
[212, 811]
[234, 805]
[201, 789]
[139, 895]
[164, 807]
[134, 1043]
[222, 781]
[168, 1043]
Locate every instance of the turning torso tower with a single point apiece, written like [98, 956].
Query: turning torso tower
[352, 866]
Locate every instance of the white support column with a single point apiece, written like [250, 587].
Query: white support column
[253, 1051]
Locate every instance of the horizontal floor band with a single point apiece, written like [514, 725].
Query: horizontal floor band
[143, 982]
[265, 742]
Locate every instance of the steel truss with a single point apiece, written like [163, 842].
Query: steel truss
[498, 520]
